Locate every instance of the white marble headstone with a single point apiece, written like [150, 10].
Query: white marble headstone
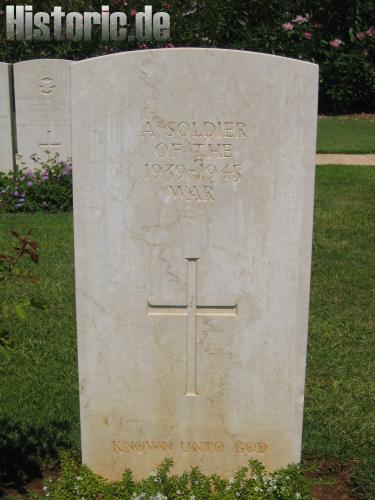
[6, 148]
[42, 94]
[193, 206]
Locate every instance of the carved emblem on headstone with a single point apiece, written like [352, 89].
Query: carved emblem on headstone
[47, 85]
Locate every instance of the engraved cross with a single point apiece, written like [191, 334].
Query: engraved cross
[191, 310]
[50, 144]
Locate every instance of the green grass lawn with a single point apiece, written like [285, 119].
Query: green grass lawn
[340, 391]
[38, 385]
[346, 135]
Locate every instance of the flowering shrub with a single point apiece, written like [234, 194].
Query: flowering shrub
[251, 482]
[47, 187]
[347, 68]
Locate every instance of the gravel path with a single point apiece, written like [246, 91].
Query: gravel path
[333, 159]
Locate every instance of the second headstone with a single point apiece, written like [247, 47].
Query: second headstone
[42, 95]
[6, 148]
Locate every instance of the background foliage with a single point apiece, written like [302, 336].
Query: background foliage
[337, 34]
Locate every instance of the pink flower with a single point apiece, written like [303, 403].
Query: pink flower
[336, 43]
[143, 46]
[125, 3]
[170, 45]
[287, 26]
[167, 6]
[29, 183]
[370, 32]
[133, 12]
[300, 19]
[317, 25]
[308, 35]
[361, 35]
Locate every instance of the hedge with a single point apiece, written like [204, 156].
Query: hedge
[338, 35]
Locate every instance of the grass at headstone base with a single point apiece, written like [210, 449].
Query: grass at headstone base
[346, 134]
[39, 410]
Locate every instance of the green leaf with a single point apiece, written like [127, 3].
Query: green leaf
[5, 309]
[20, 311]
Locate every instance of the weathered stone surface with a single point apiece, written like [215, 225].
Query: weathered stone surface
[42, 94]
[6, 148]
[193, 199]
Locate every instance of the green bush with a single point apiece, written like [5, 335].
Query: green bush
[347, 82]
[339, 36]
[47, 187]
[251, 482]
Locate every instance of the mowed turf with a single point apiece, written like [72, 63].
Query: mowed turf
[39, 409]
[346, 135]
[340, 391]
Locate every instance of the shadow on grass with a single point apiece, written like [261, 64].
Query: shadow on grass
[23, 451]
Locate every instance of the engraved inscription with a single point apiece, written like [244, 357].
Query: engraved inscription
[190, 157]
[192, 193]
[200, 171]
[206, 129]
[208, 447]
[191, 311]
[241, 447]
[47, 86]
[141, 446]
[186, 447]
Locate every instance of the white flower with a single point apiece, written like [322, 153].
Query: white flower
[192, 497]
[298, 494]
[45, 488]
[79, 478]
[158, 496]
[153, 473]
[301, 19]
